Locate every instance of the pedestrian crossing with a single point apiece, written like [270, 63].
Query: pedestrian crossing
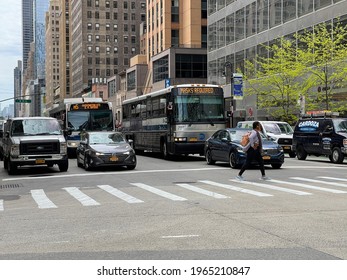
[294, 186]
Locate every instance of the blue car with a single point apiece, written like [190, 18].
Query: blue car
[224, 145]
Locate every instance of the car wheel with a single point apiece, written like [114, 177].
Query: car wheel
[301, 153]
[276, 165]
[336, 156]
[78, 162]
[131, 167]
[64, 166]
[292, 154]
[87, 163]
[233, 160]
[208, 157]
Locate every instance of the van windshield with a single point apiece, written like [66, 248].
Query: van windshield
[272, 128]
[340, 125]
[35, 127]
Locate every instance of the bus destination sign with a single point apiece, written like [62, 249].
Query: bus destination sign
[197, 90]
[89, 106]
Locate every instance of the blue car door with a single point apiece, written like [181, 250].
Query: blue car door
[224, 138]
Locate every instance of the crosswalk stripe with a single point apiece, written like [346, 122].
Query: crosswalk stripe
[233, 188]
[159, 192]
[333, 178]
[119, 194]
[318, 181]
[84, 199]
[42, 200]
[307, 186]
[273, 187]
[202, 191]
[1, 205]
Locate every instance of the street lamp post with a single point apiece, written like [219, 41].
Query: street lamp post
[326, 86]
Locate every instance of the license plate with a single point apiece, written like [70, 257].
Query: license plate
[266, 157]
[286, 148]
[40, 161]
[113, 158]
[193, 139]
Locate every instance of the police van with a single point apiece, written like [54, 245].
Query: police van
[321, 136]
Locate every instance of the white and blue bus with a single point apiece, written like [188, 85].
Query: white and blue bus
[174, 121]
[85, 114]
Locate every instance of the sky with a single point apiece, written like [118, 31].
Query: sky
[10, 46]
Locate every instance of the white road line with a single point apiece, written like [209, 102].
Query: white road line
[119, 194]
[308, 186]
[117, 173]
[84, 199]
[333, 178]
[233, 188]
[318, 181]
[1, 205]
[159, 192]
[180, 236]
[42, 200]
[273, 187]
[202, 191]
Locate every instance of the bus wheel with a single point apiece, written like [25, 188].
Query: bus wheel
[164, 151]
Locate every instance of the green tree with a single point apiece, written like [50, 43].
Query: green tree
[275, 80]
[323, 51]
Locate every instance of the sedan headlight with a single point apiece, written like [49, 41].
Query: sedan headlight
[240, 149]
[15, 150]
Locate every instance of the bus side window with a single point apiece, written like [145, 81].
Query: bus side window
[149, 108]
[162, 107]
[143, 107]
[155, 107]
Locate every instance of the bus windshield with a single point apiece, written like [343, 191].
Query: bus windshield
[90, 120]
[198, 108]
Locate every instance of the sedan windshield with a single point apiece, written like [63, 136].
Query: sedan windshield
[106, 138]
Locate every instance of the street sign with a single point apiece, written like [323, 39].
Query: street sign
[23, 100]
[237, 86]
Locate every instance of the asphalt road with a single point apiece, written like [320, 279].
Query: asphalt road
[178, 210]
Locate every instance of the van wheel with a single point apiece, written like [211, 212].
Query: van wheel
[11, 168]
[64, 166]
[336, 156]
[292, 154]
[301, 153]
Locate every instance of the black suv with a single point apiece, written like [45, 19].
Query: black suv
[321, 136]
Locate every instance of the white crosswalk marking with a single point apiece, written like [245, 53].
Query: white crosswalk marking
[159, 192]
[318, 181]
[273, 187]
[1, 205]
[202, 191]
[119, 194]
[42, 200]
[233, 188]
[333, 178]
[81, 197]
[307, 186]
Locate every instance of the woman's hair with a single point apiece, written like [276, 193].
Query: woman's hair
[255, 124]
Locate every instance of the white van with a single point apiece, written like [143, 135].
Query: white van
[280, 132]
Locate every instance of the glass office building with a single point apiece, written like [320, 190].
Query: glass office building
[238, 29]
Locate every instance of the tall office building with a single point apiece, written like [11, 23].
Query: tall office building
[238, 29]
[104, 36]
[27, 29]
[176, 41]
[17, 86]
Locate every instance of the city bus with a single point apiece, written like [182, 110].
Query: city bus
[84, 114]
[174, 121]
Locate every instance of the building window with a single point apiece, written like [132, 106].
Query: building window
[131, 80]
[97, 49]
[161, 69]
[191, 66]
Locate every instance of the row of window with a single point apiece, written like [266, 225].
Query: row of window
[114, 4]
[149, 108]
[304, 6]
[108, 27]
[259, 16]
[108, 50]
[108, 15]
[107, 38]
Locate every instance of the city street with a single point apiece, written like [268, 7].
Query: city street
[182, 209]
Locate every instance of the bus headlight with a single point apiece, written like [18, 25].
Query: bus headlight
[180, 139]
[15, 150]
